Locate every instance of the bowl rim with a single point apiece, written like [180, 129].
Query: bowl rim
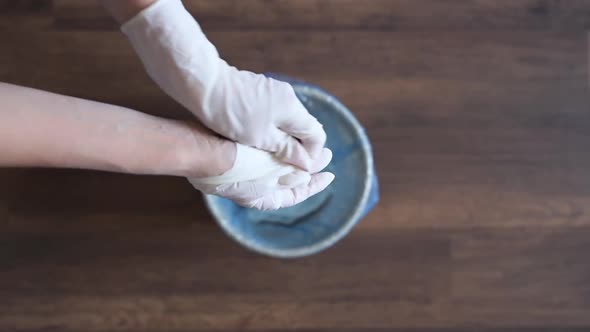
[315, 92]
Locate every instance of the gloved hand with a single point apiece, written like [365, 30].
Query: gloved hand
[245, 107]
[258, 180]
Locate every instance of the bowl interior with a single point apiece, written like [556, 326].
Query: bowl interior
[324, 218]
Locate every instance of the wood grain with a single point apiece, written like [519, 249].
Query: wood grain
[547, 277]
[350, 14]
[26, 14]
[478, 113]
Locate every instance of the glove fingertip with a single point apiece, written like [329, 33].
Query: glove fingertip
[322, 161]
[314, 150]
[321, 181]
[296, 156]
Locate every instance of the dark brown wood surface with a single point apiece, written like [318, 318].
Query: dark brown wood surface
[479, 112]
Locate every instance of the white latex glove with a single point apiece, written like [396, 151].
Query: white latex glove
[245, 107]
[258, 180]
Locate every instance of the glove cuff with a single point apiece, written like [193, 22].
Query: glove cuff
[175, 52]
[154, 13]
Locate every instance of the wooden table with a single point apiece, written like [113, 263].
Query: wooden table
[479, 114]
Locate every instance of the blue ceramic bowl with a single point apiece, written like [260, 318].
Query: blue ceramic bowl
[325, 218]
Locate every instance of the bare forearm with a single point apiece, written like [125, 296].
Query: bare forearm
[123, 10]
[41, 129]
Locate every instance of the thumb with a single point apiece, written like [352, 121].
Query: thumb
[300, 124]
[288, 149]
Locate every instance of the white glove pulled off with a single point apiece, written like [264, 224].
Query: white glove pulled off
[245, 107]
[258, 180]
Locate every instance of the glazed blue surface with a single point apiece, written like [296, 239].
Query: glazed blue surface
[326, 217]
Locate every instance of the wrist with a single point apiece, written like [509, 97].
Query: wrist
[201, 153]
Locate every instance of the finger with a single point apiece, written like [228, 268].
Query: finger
[322, 161]
[242, 192]
[289, 197]
[257, 204]
[288, 149]
[308, 130]
[295, 179]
